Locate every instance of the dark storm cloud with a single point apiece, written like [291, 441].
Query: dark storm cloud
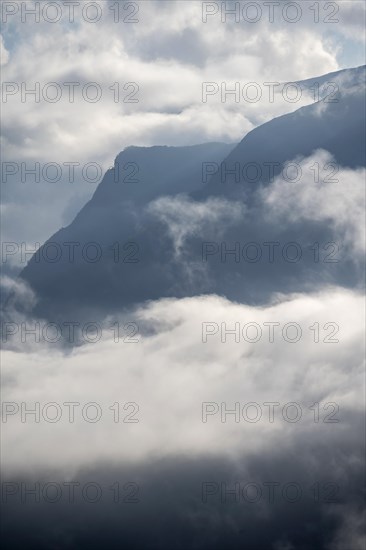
[178, 503]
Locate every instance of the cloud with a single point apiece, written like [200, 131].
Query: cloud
[24, 297]
[336, 197]
[169, 53]
[171, 453]
[170, 371]
[186, 218]
[4, 54]
[174, 354]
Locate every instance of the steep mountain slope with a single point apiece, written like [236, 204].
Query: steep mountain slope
[335, 124]
[63, 272]
[128, 244]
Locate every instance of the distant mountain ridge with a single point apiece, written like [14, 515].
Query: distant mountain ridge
[119, 212]
[336, 125]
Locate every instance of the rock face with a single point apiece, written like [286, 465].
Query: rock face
[335, 124]
[140, 239]
[125, 263]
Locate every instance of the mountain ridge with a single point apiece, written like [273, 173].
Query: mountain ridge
[120, 213]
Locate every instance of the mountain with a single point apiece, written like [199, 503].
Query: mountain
[115, 215]
[335, 124]
[138, 238]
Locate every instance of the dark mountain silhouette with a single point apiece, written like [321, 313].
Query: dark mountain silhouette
[336, 124]
[134, 256]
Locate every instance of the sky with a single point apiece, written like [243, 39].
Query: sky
[167, 402]
[150, 61]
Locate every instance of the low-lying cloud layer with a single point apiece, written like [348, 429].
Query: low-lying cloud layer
[181, 355]
[194, 414]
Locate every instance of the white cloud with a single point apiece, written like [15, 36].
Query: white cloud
[170, 372]
[185, 217]
[324, 192]
[23, 293]
[4, 54]
[169, 53]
